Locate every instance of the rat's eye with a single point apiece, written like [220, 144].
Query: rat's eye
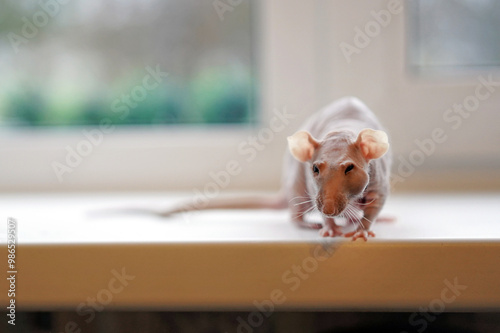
[315, 169]
[349, 168]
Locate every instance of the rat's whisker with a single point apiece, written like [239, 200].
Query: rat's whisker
[353, 216]
[310, 209]
[365, 203]
[371, 222]
[298, 197]
[348, 211]
[303, 202]
[311, 195]
[353, 207]
[346, 214]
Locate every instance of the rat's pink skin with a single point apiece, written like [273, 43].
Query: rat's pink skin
[364, 234]
[339, 160]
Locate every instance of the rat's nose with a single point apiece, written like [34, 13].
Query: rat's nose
[329, 208]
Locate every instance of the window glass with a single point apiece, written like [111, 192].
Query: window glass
[454, 35]
[133, 62]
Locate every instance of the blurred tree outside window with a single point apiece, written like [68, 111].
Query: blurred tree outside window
[78, 62]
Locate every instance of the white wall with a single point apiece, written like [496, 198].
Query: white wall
[410, 107]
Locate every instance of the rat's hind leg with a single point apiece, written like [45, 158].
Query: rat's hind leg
[331, 229]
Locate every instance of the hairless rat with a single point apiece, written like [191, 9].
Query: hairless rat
[339, 164]
[345, 172]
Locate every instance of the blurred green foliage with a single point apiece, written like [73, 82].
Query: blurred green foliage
[212, 97]
[79, 64]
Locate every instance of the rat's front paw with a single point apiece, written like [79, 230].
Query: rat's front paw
[360, 234]
[329, 231]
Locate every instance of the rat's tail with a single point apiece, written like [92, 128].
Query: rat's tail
[254, 201]
[249, 201]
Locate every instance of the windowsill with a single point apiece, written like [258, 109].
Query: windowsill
[220, 260]
[72, 218]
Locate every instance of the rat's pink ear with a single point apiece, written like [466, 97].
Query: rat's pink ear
[302, 145]
[373, 144]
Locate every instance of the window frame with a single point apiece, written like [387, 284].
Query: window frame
[299, 74]
[195, 150]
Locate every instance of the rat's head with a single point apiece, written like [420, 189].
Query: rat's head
[338, 164]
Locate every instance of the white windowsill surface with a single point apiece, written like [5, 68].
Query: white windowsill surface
[228, 259]
[69, 218]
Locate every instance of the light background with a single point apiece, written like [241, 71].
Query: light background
[302, 69]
